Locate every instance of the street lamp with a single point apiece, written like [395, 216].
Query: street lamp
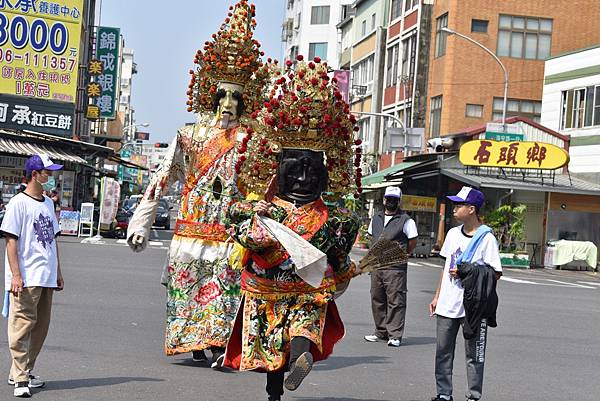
[491, 53]
[366, 113]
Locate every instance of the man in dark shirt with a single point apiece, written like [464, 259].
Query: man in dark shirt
[388, 285]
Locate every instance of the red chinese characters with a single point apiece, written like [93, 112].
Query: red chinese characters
[536, 153]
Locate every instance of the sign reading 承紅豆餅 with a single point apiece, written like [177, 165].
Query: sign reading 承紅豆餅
[39, 48]
[55, 118]
[526, 155]
[108, 52]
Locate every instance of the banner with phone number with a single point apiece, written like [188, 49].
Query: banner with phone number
[39, 48]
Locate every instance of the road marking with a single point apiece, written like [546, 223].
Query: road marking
[516, 280]
[412, 264]
[570, 284]
[589, 283]
[121, 241]
[155, 243]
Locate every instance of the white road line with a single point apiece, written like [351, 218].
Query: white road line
[412, 264]
[429, 264]
[570, 284]
[121, 241]
[155, 243]
[588, 283]
[518, 281]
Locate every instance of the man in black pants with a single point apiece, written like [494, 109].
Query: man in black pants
[388, 285]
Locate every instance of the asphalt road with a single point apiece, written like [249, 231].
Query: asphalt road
[106, 339]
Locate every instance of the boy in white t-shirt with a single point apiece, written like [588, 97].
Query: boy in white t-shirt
[447, 303]
[32, 270]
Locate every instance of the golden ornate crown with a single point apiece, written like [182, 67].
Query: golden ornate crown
[232, 56]
[305, 110]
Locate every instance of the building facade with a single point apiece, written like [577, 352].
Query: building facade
[309, 28]
[571, 106]
[466, 85]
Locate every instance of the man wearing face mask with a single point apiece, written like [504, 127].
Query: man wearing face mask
[388, 285]
[202, 289]
[32, 270]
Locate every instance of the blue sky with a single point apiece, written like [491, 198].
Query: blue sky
[165, 37]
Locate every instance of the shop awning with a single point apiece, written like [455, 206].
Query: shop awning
[17, 147]
[379, 177]
[562, 182]
[126, 163]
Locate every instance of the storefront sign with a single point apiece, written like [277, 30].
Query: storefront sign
[40, 48]
[418, 203]
[92, 112]
[55, 118]
[526, 155]
[107, 51]
[69, 222]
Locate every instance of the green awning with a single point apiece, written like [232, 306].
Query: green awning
[379, 176]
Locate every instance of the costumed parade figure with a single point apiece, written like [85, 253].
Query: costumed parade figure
[203, 292]
[296, 243]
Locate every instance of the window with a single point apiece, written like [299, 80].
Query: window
[392, 65]
[319, 15]
[396, 9]
[362, 73]
[436, 117]
[524, 37]
[580, 108]
[317, 50]
[410, 4]
[474, 110]
[409, 55]
[363, 28]
[517, 107]
[364, 132]
[440, 36]
[479, 25]
[373, 19]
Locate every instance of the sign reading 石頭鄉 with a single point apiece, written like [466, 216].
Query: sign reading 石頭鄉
[525, 155]
[39, 48]
[108, 42]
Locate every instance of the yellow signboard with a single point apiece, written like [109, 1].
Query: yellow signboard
[418, 203]
[529, 155]
[39, 48]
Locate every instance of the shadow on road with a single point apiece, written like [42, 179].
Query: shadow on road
[94, 382]
[334, 399]
[418, 341]
[337, 362]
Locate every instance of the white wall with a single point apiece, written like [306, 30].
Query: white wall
[584, 159]
[307, 33]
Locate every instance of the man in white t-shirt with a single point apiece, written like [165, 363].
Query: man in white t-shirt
[388, 285]
[32, 270]
[447, 303]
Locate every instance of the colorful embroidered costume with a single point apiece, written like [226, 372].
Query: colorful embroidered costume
[203, 291]
[278, 305]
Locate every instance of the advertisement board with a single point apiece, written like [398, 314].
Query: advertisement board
[39, 48]
[525, 155]
[108, 44]
[55, 118]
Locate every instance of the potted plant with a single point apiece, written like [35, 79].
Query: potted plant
[508, 224]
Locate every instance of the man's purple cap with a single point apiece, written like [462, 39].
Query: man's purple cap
[41, 162]
[469, 196]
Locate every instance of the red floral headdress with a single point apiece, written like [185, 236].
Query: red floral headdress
[233, 56]
[305, 110]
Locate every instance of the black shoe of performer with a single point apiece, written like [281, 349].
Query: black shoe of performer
[218, 359]
[273, 398]
[299, 371]
[199, 356]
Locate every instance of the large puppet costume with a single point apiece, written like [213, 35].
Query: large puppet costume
[288, 318]
[203, 292]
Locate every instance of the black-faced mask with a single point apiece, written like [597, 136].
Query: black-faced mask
[301, 175]
[391, 204]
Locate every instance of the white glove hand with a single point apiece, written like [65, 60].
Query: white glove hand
[137, 242]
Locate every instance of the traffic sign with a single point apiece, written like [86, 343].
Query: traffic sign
[503, 132]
